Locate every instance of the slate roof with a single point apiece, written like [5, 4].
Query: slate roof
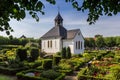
[57, 31]
[71, 33]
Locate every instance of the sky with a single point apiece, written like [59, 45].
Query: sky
[73, 19]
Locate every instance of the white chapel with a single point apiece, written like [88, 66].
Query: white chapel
[58, 37]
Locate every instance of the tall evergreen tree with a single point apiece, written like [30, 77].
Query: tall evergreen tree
[63, 52]
[68, 53]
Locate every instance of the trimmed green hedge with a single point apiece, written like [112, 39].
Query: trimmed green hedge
[56, 60]
[9, 46]
[47, 64]
[86, 77]
[81, 76]
[67, 72]
[22, 76]
[10, 71]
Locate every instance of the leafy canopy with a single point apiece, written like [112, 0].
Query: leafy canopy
[17, 9]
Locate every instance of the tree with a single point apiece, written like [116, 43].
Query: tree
[99, 42]
[110, 42]
[63, 52]
[118, 41]
[17, 9]
[68, 52]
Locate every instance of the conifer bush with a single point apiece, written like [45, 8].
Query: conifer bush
[68, 52]
[63, 52]
[56, 60]
[34, 53]
[21, 54]
[47, 64]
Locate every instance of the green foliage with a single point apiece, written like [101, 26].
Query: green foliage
[68, 53]
[32, 44]
[56, 60]
[21, 75]
[3, 77]
[47, 64]
[89, 43]
[34, 53]
[15, 9]
[44, 75]
[33, 64]
[99, 42]
[116, 72]
[102, 42]
[63, 52]
[21, 54]
[50, 74]
[65, 66]
[15, 64]
[12, 42]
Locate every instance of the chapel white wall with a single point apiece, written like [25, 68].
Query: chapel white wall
[56, 45]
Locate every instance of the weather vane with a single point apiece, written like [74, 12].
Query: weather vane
[58, 8]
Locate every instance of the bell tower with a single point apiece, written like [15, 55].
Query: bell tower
[58, 20]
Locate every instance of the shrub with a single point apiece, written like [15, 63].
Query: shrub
[63, 52]
[44, 75]
[21, 54]
[68, 53]
[50, 74]
[58, 53]
[47, 63]
[21, 75]
[34, 53]
[56, 60]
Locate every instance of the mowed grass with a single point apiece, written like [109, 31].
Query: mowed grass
[3, 77]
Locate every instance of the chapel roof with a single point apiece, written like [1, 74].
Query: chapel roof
[57, 31]
[72, 33]
[60, 31]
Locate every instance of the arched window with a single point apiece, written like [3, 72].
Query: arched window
[81, 44]
[48, 44]
[51, 44]
[76, 45]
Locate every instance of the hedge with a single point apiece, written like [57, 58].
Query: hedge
[56, 60]
[47, 64]
[34, 53]
[67, 72]
[9, 46]
[10, 71]
[81, 76]
[86, 77]
[22, 76]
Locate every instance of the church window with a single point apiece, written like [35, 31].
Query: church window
[48, 44]
[76, 44]
[81, 44]
[51, 44]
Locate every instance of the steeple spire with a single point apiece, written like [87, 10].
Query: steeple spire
[58, 20]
